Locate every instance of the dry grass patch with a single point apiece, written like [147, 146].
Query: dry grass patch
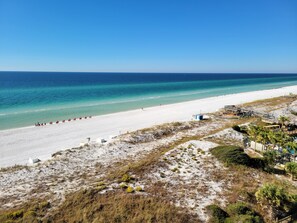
[13, 168]
[31, 212]
[272, 101]
[120, 207]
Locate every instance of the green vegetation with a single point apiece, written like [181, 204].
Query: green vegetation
[126, 178]
[282, 120]
[241, 129]
[237, 212]
[269, 157]
[123, 185]
[291, 169]
[138, 189]
[217, 214]
[272, 138]
[234, 155]
[130, 189]
[271, 194]
[231, 155]
[274, 195]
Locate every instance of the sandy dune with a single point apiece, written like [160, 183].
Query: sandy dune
[17, 145]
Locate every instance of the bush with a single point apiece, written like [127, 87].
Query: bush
[272, 194]
[126, 178]
[139, 188]
[231, 155]
[237, 212]
[123, 185]
[237, 128]
[130, 189]
[239, 209]
[217, 214]
[291, 169]
[270, 157]
[234, 155]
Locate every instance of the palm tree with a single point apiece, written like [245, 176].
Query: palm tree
[283, 138]
[263, 136]
[272, 138]
[253, 132]
[282, 120]
[291, 169]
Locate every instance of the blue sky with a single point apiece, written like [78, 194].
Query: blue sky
[149, 35]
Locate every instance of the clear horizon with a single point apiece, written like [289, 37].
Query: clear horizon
[149, 37]
[43, 71]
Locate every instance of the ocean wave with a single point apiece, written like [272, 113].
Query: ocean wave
[83, 105]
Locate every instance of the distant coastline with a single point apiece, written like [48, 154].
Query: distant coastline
[56, 96]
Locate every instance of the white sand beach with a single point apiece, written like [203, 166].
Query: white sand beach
[18, 145]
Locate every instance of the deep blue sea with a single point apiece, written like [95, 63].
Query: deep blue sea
[30, 97]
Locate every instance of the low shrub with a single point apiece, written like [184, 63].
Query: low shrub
[217, 215]
[237, 212]
[291, 169]
[138, 188]
[123, 185]
[272, 194]
[239, 208]
[231, 155]
[234, 155]
[237, 128]
[130, 189]
[126, 178]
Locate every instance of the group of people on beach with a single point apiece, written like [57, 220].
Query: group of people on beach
[57, 122]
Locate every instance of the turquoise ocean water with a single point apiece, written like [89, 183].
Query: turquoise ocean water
[30, 97]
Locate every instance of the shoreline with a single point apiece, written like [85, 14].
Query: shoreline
[19, 144]
[119, 112]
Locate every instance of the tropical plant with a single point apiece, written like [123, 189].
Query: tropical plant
[263, 136]
[253, 131]
[272, 194]
[291, 145]
[283, 119]
[231, 155]
[272, 138]
[269, 157]
[291, 169]
[218, 215]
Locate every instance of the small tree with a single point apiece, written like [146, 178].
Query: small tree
[282, 120]
[291, 169]
[253, 132]
[292, 145]
[263, 136]
[270, 157]
[272, 194]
